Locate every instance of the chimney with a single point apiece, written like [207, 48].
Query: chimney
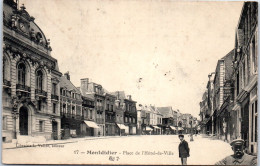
[67, 75]
[117, 103]
[129, 97]
[84, 84]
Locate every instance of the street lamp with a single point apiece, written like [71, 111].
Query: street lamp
[191, 134]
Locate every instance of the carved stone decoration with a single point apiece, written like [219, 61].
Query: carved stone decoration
[41, 63]
[33, 36]
[15, 103]
[14, 20]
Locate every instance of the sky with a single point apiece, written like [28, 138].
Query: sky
[160, 52]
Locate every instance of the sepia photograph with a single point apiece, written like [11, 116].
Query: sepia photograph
[129, 82]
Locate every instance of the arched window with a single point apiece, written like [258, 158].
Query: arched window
[4, 67]
[39, 80]
[21, 73]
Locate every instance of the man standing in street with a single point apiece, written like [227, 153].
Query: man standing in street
[184, 150]
[239, 157]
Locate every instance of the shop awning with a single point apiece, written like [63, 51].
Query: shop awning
[91, 124]
[121, 126]
[173, 128]
[156, 127]
[180, 128]
[147, 128]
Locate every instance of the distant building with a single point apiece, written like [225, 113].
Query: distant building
[222, 89]
[88, 127]
[110, 115]
[96, 92]
[168, 120]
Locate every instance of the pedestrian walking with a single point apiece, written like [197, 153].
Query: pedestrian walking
[239, 157]
[184, 150]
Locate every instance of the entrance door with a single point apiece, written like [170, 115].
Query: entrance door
[23, 121]
[54, 130]
[245, 123]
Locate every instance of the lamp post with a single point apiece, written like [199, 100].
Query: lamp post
[191, 134]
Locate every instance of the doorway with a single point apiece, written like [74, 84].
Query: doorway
[23, 121]
[54, 130]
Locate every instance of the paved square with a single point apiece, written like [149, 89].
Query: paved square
[146, 149]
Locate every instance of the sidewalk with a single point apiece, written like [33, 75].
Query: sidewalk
[50, 142]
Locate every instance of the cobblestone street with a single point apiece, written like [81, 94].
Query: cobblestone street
[152, 150]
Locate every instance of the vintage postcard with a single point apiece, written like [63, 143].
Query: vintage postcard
[129, 82]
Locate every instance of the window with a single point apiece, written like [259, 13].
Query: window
[254, 54]
[39, 79]
[4, 122]
[108, 107]
[133, 120]
[6, 69]
[53, 90]
[125, 119]
[39, 104]
[54, 108]
[111, 107]
[244, 72]
[21, 74]
[73, 110]
[90, 114]
[64, 108]
[41, 126]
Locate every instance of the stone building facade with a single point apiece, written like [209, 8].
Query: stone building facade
[96, 92]
[222, 89]
[88, 125]
[110, 115]
[30, 79]
[70, 108]
[246, 75]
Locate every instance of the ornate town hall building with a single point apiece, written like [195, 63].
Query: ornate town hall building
[30, 79]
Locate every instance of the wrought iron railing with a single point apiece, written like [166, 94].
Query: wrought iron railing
[55, 97]
[6, 82]
[23, 87]
[40, 92]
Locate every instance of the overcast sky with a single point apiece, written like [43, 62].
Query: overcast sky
[160, 52]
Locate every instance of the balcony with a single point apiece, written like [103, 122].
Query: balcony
[54, 97]
[21, 87]
[40, 92]
[6, 83]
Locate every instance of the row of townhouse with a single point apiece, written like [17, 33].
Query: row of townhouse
[165, 120]
[228, 109]
[40, 102]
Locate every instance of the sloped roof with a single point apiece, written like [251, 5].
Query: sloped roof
[89, 95]
[65, 83]
[119, 94]
[165, 111]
